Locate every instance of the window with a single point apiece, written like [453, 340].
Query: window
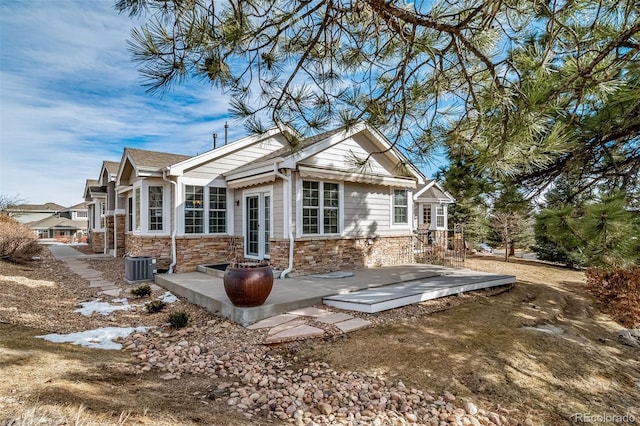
[440, 216]
[137, 215]
[217, 210]
[426, 215]
[155, 208]
[44, 233]
[315, 195]
[130, 214]
[194, 209]
[400, 206]
[81, 213]
[102, 215]
[310, 207]
[330, 195]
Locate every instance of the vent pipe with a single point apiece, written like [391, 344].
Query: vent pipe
[215, 138]
[226, 133]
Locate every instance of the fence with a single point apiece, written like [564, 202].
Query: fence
[445, 248]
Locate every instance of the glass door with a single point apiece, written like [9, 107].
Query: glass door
[257, 225]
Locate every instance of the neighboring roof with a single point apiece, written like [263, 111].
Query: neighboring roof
[153, 160]
[147, 162]
[111, 166]
[79, 206]
[35, 208]
[89, 183]
[55, 222]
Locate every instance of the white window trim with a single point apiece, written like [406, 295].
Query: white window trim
[299, 207]
[253, 192]
[144, 224]
[434, 216]
[392, 223]
[183, 182]
[97, 215]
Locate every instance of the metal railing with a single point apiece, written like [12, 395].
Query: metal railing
[445, 248]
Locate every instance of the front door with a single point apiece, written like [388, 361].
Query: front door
[257, 225]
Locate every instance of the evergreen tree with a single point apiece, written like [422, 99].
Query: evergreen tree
[524, 89]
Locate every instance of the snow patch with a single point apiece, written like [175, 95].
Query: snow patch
[104, 308]
[168, 297]
[100, 338]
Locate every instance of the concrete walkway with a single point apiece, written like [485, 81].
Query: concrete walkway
[73, 259]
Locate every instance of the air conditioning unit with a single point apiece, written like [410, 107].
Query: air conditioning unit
[139, 268]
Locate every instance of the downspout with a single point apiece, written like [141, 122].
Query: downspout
[175, 219]
[287, 179]
[115, 229]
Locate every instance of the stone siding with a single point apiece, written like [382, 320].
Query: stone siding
[109, 229]
[97, 241]
[156, 247]
[194, 251]
[120, 222]
[313, 256]
[190, 251]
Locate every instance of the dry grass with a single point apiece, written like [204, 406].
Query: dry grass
[484, 351]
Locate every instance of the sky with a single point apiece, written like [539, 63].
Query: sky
[71, 97]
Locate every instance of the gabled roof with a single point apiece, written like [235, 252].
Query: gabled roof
[147, 162]
[288, 158]
[55, 222]
[179, 168]
[111, 168]
[89, 183]
[79, 206]
[153, 160]
[434, 192]
[36, 208]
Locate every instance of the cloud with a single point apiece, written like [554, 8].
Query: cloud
[71, 97]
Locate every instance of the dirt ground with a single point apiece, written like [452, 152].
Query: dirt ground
[567, 362]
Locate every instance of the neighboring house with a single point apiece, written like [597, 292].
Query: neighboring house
[53, 222]
[306, 210]
[25, 213]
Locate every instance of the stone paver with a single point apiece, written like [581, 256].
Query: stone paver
[113, 292]
[304, 331]
[272, 321]
[309, 312]
[333, 317]
[286, 326]
[353, 325]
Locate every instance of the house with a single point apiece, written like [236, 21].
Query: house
[53, 222]
[25, 213]
[343, 199]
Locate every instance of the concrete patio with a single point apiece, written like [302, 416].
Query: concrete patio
[403, 285]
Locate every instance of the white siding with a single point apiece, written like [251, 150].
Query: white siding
[340, 157]
[366, 210]
[278, 225]
[214, 169]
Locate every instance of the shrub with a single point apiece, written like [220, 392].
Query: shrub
[619, 290]
[17, 241]
[178, 319]
[142, 291]
[155, 306]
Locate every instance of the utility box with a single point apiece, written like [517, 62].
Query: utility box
[139, 268]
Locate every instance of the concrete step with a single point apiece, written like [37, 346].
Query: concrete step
[397, 295]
